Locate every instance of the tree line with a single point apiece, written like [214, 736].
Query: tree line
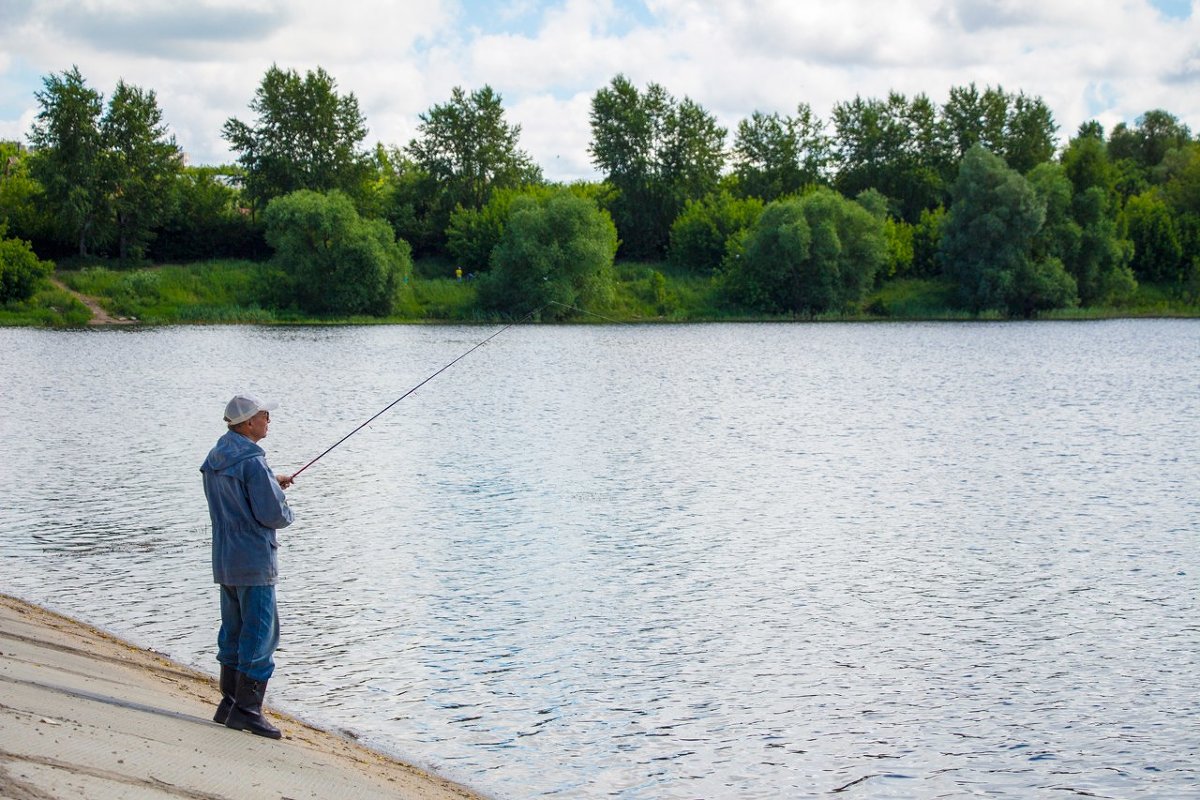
[791, 215]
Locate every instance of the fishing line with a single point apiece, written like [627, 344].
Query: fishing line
[418, 386]
[585, 311]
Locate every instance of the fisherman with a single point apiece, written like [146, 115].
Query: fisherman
[247, 506]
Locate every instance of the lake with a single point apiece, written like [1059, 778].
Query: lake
[659, 561]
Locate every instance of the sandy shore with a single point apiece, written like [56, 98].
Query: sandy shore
[86, 715]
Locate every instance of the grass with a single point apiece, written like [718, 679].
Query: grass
[241, 292]
[50, 307]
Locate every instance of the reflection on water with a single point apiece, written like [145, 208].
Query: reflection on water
[656, 561]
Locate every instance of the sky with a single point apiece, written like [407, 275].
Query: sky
[1104, 60]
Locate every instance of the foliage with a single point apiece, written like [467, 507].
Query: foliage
[657, 153]
[926, 239]
[807, 255]
[987, 242]
[305, 136]
[336, 261]
[1154, 134]
[468, 150]
[1157, 250]
[1100, 267]
[474, 233]
[205, 220]
[891, 146]
[776, 156]
[700, 234]
[409, 198]
[556, 251]
[140, 165]
[20, 269]
[68, 156]
[21, 203]
[104, 177]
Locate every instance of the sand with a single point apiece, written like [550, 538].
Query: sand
[86, 715]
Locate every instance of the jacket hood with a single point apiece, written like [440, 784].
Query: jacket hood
[231, 449]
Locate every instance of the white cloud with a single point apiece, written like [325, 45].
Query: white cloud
[1106, 59]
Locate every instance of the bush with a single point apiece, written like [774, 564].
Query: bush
[556, 249]
[20, 269]
[335, 261]
[701, 232]
[806, 256]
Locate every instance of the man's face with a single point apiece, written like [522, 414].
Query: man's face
[256, 426]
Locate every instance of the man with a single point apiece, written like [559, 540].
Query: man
[247, 505]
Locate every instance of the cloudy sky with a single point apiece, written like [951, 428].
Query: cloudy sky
[1109, 60]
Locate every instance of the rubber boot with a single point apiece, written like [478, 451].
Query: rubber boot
[228, 690]
[246, 713]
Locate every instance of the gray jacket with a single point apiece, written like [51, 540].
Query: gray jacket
[246, 506]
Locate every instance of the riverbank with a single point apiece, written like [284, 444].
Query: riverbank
[239, 292]
[86, 715]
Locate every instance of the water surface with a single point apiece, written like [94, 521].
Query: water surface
[751, 561]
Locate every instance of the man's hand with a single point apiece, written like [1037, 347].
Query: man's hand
[284, 481]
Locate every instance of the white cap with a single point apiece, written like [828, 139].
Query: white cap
[244, 406]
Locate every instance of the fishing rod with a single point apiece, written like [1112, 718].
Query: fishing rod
[418, 386]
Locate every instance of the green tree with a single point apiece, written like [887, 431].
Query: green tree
[1101, 265]
[306, 136]
[971, 118]
[1181, 191]
[68, 155]
[204, 219]
[336, 261]
[1060, 236]
[21, 202]
[987, 241]
[1157, 249]
[700, 234]
[775, 156]
[20, 269]
[1154, 134]
[1029, 133]
[556, 251]
[926, 240]
[657, 153]
[141, 162]
[1018, 128]
[410, 201]
[890, 146]
[816, 253]
[468, 150]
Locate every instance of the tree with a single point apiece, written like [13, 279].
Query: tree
[926, 239]
[807, 255]
[1059, 236]
[466, 150]
[141, 161]
[987, 241]
[20, 269]
[1155, 134]
[306, 136]
[1157, 249]
[336, 261]
[21, 202]
[1101, 265]
[775, 156]
[971, 118]
[1029, 133]
[891, 146]
[657, 153]
[700, 234]
[68, 157]
[204, 219]
[556, 251]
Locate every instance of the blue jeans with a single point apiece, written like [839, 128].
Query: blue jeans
[249, 630]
